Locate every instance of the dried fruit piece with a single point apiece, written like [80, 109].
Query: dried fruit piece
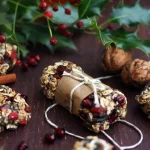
[13, 116]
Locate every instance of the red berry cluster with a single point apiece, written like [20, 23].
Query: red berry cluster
[31, 61]
[51, 137]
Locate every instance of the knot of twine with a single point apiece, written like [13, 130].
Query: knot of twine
[87, 81]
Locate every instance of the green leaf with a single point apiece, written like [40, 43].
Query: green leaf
[60, 17]
[125, 40]
[95, 7]
[130, 15]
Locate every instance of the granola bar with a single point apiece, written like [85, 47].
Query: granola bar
[8, 57]
[92, 143]
[14, 110]
[144, 100]
[113, 103]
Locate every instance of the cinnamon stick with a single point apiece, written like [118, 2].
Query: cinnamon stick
[8, 78]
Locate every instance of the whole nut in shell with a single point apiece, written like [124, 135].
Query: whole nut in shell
[144, 100]
[114, 59]
[136, 73]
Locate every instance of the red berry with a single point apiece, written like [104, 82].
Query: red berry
[48, 14]
[60, 132]
[18, 62]
[110, 27]
[43, 5]
[67, 33]
[23, 146]
[2, 39]
[67, 11]
[27, 109]
[55, 8]
[6, 55]
[25, 66]
[23, 44]
[13, 116]
[98, 110]
[50, 138]
[53, 41]
[37, 57]
[32, 61]
[86, 103]
[23, 122]
[80, 24]
[112, 117]
[62, 27]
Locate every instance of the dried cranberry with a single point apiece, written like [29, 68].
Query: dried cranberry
[67, 11]
[6, 55]
[120, 99]
[61, 69]
[23, 122]
[55, 8]
[23, 146]
[98, 110]
[10, 99]
[27, 109]
[60, 132]
[112, 117]
[50, 138]
[101, 128]
[56, 76]
[13, 116]
[86, 103]
[13, 55]
[83, 115]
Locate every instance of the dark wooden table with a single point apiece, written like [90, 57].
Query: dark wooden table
[88, 57]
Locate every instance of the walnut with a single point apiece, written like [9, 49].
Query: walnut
[136, 73]
[114, 59]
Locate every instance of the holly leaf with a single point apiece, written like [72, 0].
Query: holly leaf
[89, 8]
[125, 40]
[60, 17]
[130, 15]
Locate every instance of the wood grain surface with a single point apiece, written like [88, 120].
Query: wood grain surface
[88, 57]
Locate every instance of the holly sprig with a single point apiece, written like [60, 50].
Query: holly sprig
[54, 23]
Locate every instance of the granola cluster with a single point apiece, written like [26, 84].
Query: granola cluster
[144, 100]
[52, 74]
[8, 57]
[92, 143]
[113, 106]
[14, 110]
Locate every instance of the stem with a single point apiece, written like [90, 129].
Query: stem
[83, 13]
[49, 28]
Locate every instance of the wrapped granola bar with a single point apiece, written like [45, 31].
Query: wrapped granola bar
[8, 57]
[144, 100]
[92, 143]
[14, 110]
[80, 100]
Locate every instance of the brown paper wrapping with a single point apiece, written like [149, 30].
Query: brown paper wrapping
[64, 88]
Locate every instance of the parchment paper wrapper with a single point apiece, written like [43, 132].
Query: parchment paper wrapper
[64, 88]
